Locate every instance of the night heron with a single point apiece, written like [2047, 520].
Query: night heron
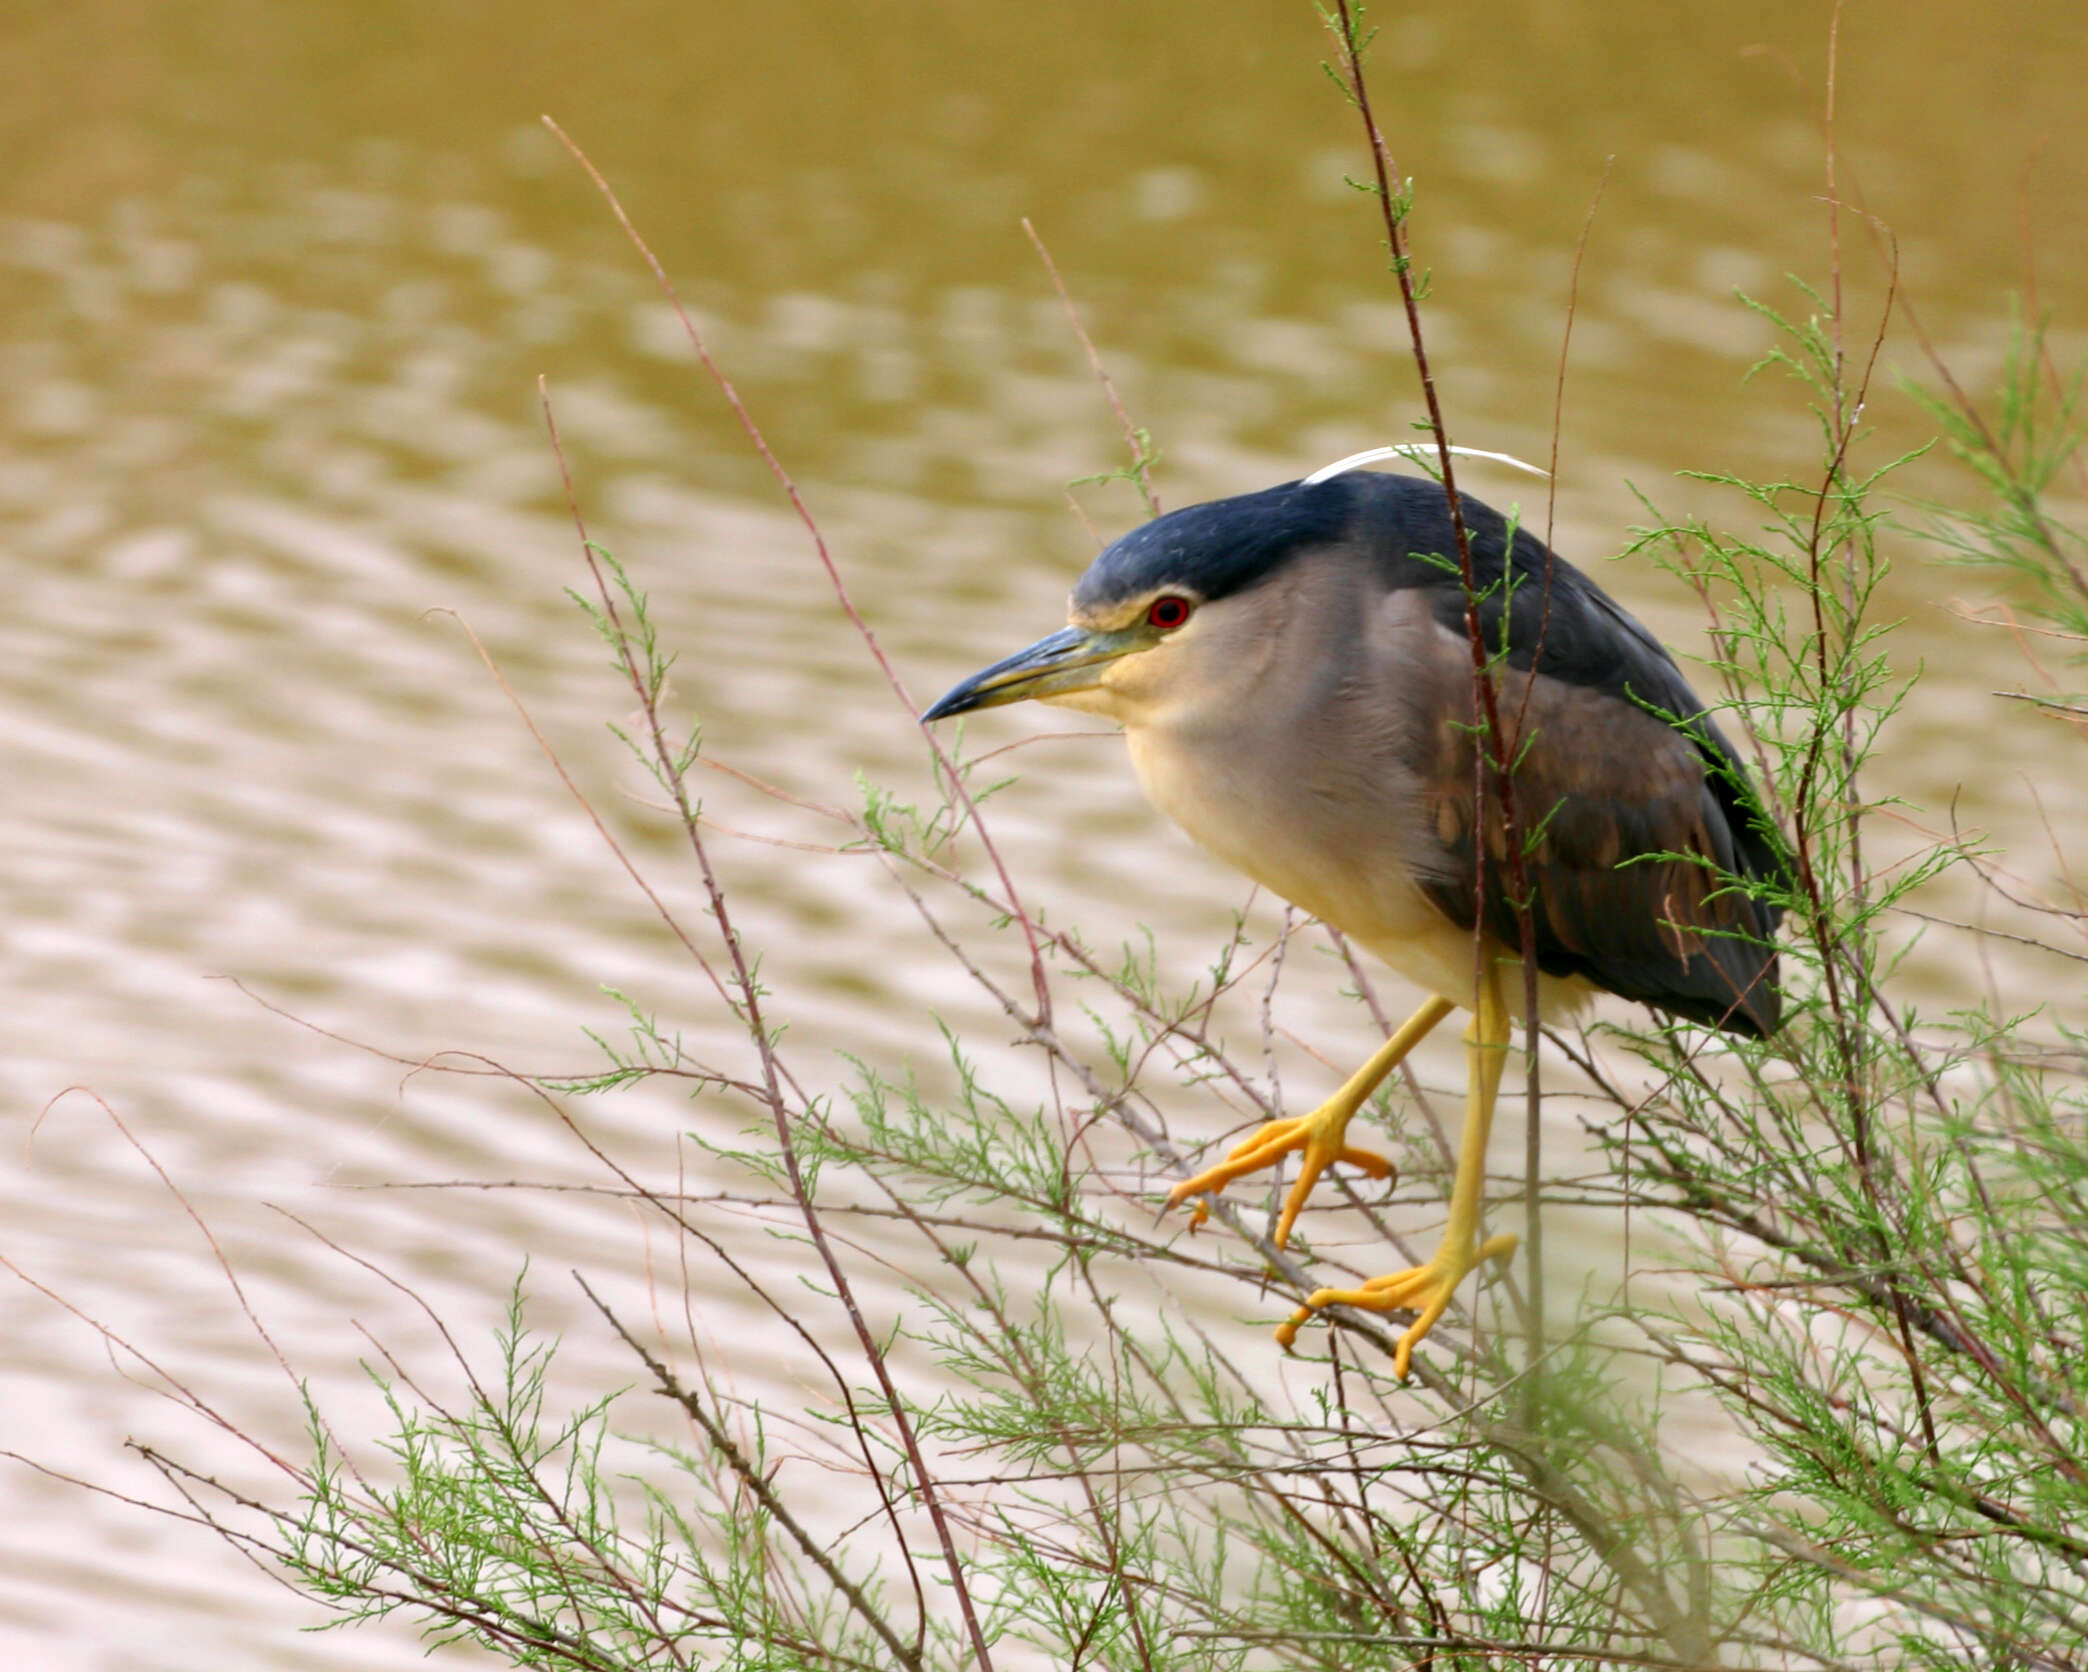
[1293, 675]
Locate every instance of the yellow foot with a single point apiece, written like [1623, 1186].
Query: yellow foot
[1318, 1135]
[1424, 1290]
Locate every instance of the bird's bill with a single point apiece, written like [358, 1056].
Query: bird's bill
[1070, 660]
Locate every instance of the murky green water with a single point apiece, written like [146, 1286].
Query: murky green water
[275, 287]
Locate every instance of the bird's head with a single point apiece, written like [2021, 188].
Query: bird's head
[1167, 611]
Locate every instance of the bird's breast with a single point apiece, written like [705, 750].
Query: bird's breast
[1335, 850]
[1342, 859]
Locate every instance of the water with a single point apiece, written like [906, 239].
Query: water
[275, 288]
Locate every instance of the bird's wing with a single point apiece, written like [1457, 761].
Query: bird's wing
[1636, 815]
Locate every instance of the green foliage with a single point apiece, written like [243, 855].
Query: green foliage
[2023, 447]
[636, 653]
[1145, 459]
[1895, 1197]
[500, 1524]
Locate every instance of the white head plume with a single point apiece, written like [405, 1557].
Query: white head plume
[1418, 452]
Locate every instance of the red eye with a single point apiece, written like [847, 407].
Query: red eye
[1169, 612]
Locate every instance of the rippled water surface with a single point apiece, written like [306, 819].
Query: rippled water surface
[276, 284]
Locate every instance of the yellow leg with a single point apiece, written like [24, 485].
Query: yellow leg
[1318, 1134]
[1426, 1290]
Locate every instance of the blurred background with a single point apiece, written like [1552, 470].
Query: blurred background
[276, 283]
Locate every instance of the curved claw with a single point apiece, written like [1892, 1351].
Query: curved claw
[1424, 1290]
[1318, 1136]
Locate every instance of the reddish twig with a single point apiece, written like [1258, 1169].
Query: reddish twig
[747, 1006]
[1141, 460]
[789, 487]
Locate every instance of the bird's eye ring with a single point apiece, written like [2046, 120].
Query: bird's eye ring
[1168, 612]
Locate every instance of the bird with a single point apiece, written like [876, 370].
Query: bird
[1294, 676]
